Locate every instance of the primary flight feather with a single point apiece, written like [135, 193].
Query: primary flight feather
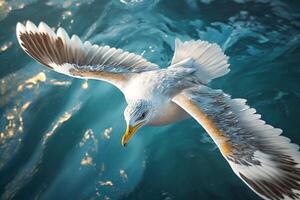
[257, 153]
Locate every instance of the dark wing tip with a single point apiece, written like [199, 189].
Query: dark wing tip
[41, 43]
[279, 188]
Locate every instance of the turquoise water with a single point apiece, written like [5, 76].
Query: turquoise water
[60, 138]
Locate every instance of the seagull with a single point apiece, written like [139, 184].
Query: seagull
[264, 160]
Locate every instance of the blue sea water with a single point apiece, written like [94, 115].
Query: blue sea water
[60, 138]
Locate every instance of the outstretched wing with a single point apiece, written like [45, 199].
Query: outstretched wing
[72, 57]
[267, 162]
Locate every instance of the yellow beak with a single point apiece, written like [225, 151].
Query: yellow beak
[130, 131]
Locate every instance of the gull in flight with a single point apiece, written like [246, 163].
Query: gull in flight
[257, 153]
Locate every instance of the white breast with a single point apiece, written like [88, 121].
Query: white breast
[168, 113]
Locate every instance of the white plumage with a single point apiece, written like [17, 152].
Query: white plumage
[266, 161]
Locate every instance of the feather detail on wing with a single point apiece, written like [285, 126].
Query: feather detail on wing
[208, 59]
[267, 162]
[72, 57]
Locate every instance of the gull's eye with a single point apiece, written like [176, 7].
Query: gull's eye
[143, 115]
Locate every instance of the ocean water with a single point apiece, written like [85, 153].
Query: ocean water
[60, 138]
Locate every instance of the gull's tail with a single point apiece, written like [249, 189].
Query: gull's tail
[209, 59]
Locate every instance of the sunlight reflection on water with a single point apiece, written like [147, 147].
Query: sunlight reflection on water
[60, 137]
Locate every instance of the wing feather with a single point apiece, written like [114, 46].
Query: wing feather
[75, 58]
[266, 161]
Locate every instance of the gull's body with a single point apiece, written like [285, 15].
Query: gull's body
[156, 88]
[266, 161]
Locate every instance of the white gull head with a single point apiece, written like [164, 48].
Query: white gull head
[137, 114]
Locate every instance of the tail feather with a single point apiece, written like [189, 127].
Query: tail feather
[208, 58]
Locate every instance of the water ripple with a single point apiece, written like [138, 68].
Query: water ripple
[60, 137]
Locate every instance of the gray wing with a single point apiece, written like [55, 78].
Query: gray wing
[267, 162]
[72, 57]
